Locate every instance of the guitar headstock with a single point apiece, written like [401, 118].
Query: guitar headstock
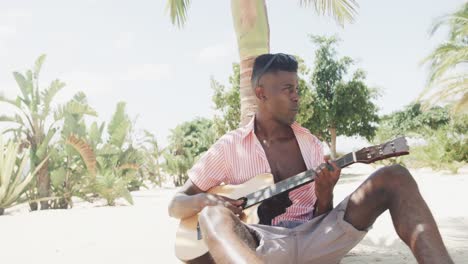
[393, 148]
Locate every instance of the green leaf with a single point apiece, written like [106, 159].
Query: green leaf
[119, 126]
[15, 103]
[12, 182]
[57, 177]
[95, 133]
[25, 86]
[80, 97]
[178, 11]
[49, 94]
[14, 119]
[38, 65]
[44, 145]
[108, 150]
[446, 58]
[126, 195]
[73, 107]
[341, 10]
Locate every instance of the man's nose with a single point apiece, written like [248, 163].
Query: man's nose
[295, 96]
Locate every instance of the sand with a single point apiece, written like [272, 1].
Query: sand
[143, 233]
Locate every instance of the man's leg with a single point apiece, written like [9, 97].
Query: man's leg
[395, 189]
[228, 240]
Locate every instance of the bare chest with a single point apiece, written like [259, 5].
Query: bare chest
[284, 157]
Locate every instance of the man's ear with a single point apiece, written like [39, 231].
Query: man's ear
[260, 93]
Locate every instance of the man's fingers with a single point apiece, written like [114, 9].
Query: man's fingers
[333, 164]
[233, 201]
[231, 204]
[236, 210]
[237, 202]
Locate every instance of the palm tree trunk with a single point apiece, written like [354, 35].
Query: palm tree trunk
[253, 38]
[248, 99]
[43, 184]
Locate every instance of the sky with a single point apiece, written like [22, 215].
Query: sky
[116, 50]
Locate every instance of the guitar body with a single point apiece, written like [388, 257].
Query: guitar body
[188, 246]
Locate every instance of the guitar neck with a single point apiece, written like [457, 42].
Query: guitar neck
[292, 182]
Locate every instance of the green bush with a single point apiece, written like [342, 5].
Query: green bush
[110, 187]
[13, 180]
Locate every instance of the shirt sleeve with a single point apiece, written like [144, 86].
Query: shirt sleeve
[210, 170]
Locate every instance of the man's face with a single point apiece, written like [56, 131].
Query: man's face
[279, 94]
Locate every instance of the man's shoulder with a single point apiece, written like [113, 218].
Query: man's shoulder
[232, 137]
[305, 132]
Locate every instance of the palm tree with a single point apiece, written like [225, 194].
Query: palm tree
[253, 34]
[151, 167]
[34, 122]
[450, 56]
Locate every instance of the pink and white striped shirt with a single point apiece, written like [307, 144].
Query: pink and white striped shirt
[238, 157]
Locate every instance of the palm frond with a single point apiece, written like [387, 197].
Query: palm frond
[25, 86]
[14, 119]
[80, 97]
[95, 133]
[86, 152]
[458, 23]
[447, 90]
[73, 107]
[38, 65]
[44, 144]
[446, 57]
[10, 101]
[49, 94]
[119, 126]
[178, 11]
[462, 105]
[342, 10]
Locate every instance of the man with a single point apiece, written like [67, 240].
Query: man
[307, 228]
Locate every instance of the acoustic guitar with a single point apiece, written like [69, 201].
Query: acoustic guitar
[189, 240]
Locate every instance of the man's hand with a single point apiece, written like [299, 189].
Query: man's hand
[327, 175]
[208, 199]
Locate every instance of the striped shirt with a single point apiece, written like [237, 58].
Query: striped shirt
[238, 157]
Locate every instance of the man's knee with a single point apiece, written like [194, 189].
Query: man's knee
[215, 221]
[394, 178]
[215, 218]
[214, 213]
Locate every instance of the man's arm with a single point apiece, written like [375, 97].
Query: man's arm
[327, 175]
[190, 200]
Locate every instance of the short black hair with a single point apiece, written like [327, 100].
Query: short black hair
[266, 63]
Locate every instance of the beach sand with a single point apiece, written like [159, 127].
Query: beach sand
[143, 233]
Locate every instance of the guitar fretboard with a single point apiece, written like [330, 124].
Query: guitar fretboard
[292, 183]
